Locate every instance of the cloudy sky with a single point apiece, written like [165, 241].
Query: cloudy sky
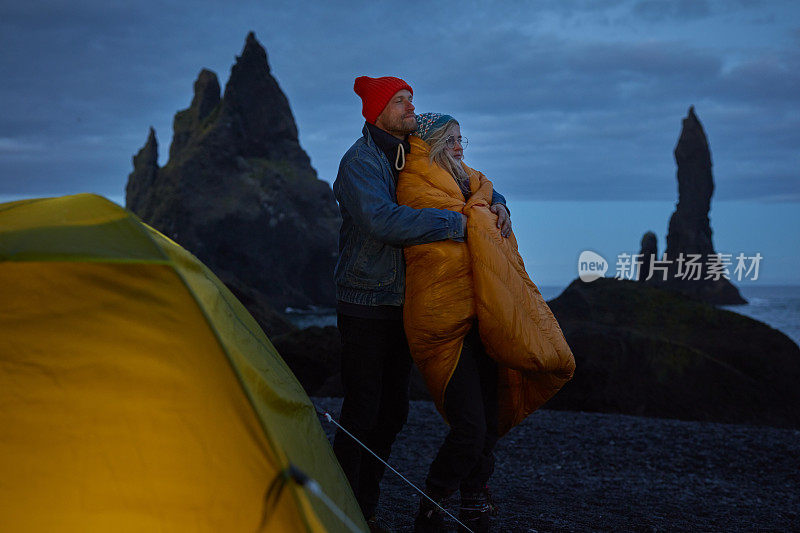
[566, 102]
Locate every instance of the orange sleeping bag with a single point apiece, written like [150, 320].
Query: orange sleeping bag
[449, 284]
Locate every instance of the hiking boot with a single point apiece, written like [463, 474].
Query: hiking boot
[494, 509]
[430, 519]
[476, 508]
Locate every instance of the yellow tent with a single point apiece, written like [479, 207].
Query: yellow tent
[137, 393]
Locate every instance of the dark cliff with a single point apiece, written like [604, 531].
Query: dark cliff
[239, 192]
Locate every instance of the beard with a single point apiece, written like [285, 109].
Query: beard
[400, 125]
[409, 124]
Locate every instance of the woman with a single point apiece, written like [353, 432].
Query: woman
[485, 341]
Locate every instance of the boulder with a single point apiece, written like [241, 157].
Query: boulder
[647, 351]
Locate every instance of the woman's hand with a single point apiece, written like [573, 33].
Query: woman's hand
[503, 219]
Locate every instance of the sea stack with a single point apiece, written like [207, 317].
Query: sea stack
[239, 192]
[648, 252]
[144, 175]
[689, 228]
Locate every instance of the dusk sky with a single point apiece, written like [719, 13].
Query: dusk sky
[573, 108]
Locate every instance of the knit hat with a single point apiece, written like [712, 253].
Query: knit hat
[375, 93]
[427, 123]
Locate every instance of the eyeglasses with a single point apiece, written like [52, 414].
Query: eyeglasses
[451, 141]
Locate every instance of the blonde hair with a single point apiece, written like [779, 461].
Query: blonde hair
[439, 155]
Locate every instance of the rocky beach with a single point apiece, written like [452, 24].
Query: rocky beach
[194, 196]
[574, 472]
[681, 415]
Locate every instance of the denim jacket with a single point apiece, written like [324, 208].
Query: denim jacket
[371, 268]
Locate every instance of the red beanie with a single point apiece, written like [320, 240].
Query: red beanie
[376, 93]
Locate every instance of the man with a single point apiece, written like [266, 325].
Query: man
[370, 280]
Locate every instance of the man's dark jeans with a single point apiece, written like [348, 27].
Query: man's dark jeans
[376, 365]
[466, 459]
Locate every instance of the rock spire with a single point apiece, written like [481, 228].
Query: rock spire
[239, 192]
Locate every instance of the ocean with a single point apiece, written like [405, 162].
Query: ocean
[775, 305]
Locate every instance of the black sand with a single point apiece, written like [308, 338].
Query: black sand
[569, 471]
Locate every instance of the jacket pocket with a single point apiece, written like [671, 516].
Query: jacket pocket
[374, 266]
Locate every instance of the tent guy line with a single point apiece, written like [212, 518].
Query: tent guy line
[330, 419]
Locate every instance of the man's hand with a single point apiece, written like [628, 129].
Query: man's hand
[503, 219]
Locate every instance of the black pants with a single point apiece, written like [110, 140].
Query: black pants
[376, 366]
[465, 460]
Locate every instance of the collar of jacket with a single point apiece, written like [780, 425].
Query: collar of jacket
[387, 143]
[477, 191]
